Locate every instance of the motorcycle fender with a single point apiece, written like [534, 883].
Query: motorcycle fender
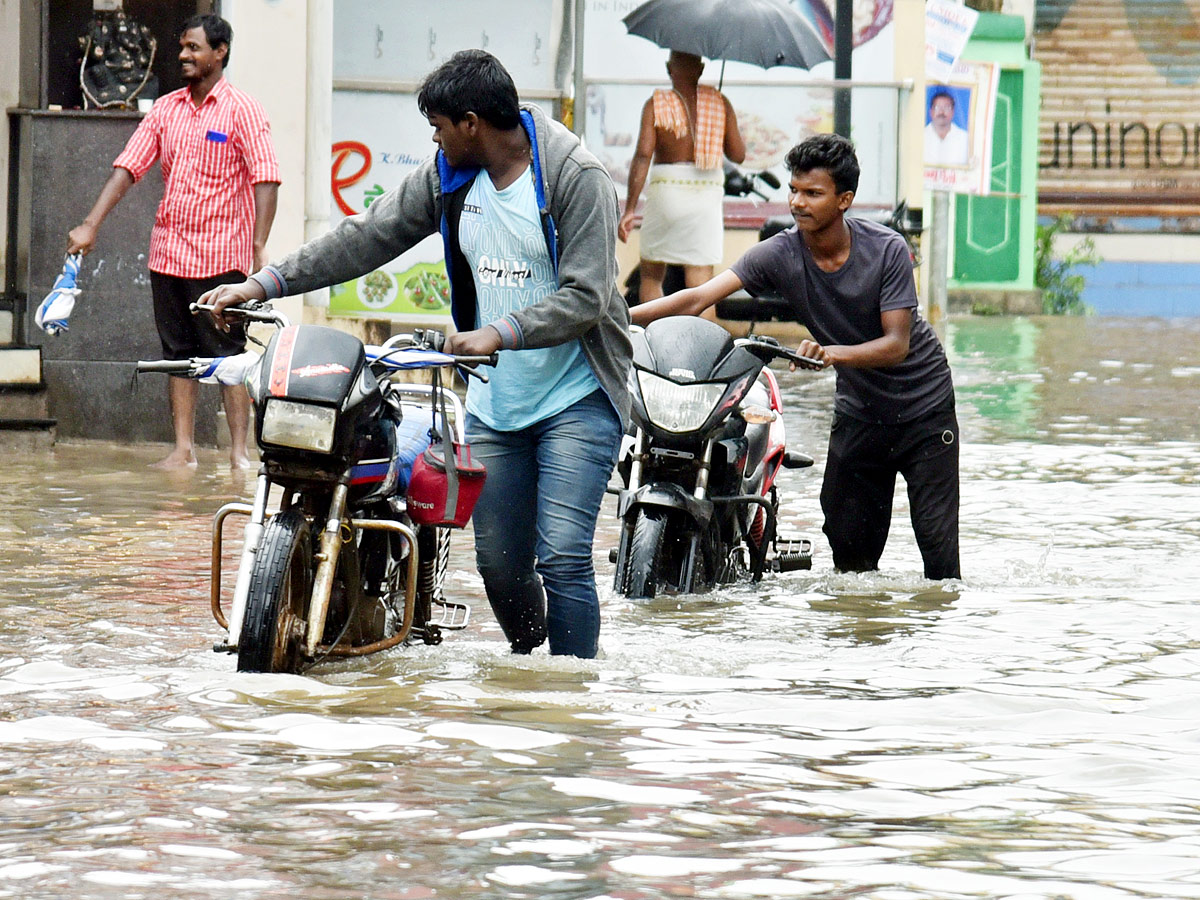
[664, 495]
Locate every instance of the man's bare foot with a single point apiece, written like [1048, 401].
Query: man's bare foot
[177, 459]
[239, 462]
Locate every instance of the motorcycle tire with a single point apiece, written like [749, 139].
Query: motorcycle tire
[272, 637]
[645, 555]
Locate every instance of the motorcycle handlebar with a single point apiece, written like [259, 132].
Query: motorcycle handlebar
[739, 183]
[432, 339]
[255, 312]
[768, 348]
[803, 362]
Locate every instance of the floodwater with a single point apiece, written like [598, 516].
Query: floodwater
[1030, 732]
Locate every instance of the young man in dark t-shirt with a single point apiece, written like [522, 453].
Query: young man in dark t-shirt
[849, 282]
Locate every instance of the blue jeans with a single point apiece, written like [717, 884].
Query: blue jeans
[537, 517]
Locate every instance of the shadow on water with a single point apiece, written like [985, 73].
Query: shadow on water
[1027, 732]
[875, 618]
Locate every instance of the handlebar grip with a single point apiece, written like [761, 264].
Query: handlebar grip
[170, 366]
[803, 362]
[489, 360]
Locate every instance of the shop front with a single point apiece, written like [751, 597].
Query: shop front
[74, 114]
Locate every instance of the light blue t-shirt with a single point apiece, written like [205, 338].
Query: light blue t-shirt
[500, 233]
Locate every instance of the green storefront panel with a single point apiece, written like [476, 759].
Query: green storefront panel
[987, 245]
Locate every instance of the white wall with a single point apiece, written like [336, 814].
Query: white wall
[9, 79]
[269, 53]
[269, 63]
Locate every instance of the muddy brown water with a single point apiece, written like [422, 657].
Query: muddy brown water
[1027, 733]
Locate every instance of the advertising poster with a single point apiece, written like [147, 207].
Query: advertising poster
[960, 116]
[378, 139]
[948, 27]
[381, 54]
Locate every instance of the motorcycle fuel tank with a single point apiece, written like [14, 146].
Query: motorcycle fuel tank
[311, 363]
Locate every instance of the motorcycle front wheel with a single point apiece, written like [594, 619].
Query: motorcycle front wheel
[644, 566]
[272, 637]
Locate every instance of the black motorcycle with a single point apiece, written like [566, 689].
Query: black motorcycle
[700, 507]
[333, 563]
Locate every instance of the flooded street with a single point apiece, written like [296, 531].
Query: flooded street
[1028, 733]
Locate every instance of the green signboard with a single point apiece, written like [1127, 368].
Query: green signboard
[987, 243]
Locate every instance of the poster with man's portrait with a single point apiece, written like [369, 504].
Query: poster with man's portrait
[948, 125]
[959, 124]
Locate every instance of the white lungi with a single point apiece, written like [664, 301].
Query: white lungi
[683, 221]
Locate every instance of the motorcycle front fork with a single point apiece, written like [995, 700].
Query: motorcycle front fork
[638, 457]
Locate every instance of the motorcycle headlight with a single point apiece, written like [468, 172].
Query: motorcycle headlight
[299, 425]
[678, 407]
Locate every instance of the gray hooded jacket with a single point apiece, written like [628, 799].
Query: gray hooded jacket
[579, 214]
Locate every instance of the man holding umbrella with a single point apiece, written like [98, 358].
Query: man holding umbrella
[686, 130]
[684, 133]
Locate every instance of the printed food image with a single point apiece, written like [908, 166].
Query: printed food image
[376, 288]
[428, 288]
[870, 16]
[766, 145]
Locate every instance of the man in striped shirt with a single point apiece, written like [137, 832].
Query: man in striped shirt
[221, 184]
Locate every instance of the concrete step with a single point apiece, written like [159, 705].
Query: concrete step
[39, 436]
[24, 423]
[20, 365]
[24, 433]
[23, 401]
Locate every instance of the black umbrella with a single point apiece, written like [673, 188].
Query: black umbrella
[761, 32]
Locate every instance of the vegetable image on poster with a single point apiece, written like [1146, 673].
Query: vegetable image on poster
[380, 140]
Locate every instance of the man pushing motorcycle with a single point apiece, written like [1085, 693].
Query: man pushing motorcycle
[529, 222]
[849, 282]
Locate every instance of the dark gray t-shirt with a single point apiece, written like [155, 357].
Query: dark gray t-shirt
[844, 307]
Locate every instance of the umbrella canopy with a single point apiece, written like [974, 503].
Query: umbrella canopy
[761, 32]
[55, 310]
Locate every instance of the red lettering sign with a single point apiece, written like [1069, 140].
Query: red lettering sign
[342, 151]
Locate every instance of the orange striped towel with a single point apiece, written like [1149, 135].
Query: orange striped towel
[671, 115]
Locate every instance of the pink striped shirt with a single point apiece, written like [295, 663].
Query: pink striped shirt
[211, 159]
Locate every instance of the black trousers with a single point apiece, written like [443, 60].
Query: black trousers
[184, 334]
[860, 481]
